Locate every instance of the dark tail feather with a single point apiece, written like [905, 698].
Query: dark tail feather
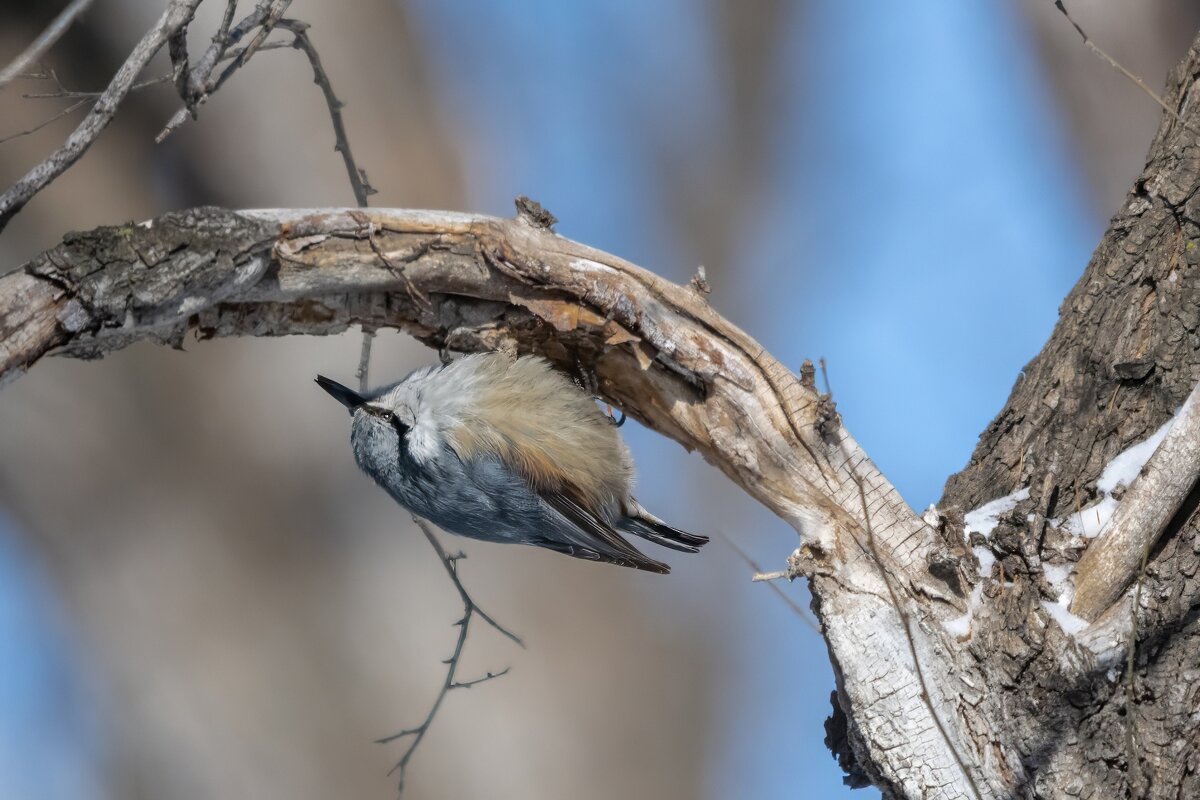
[657, 531]
[637, 562]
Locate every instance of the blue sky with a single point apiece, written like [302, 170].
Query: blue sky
[918, 224]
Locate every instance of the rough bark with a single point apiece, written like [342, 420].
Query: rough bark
[951, 684]
[1123, 357]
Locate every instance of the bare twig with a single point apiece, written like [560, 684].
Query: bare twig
[760, 575]
[199, 83]
[64, 112]
[62, 91]
[766, 577]
[177, 15]
[39, 46]
[396, 267]
[364, 359]
[83, 97]
[1112, 62]
[470, 610]
[358, 176]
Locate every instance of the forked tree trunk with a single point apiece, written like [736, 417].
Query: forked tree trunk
[952, 681]
[1083, 716]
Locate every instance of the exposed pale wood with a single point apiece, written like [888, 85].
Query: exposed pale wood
[1112, 562]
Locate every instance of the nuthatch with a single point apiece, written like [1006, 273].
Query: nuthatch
[506, 450]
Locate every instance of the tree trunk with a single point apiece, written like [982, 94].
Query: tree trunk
[1123, 358]
[956, 675]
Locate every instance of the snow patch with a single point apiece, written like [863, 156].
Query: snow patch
[1058, 576]
[961, 626]
[986, 559]
[984, 519]
[1061, 579]
[1061, 613]
[1122, 471]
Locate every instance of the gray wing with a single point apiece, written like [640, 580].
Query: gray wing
[552, 520]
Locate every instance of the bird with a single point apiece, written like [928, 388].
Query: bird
[506, 448]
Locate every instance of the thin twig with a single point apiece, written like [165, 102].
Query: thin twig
[166, 78]
[39, 46]
[800, 612]
[766, 577]
[396, 268]
[274, 12]
[83, 97]
[1112, 62]
[358, 177]
[825, 376]
[200, 83]
[71, 94]
[64, 112]
[177, 15]
[470, 611]
[364, 359]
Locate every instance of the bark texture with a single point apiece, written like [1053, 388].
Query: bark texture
[1123, 357]
[952, 683]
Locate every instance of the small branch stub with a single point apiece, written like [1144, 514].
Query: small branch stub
[534, 213]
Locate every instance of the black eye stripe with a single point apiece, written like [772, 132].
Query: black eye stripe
[388, 416]
[400, 427]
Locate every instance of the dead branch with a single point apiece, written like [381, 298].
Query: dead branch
[659, 352]
[177, 15]
[197, 83]
[42, 44]
[470, 610]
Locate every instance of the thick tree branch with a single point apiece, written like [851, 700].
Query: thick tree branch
[1110, 564]
[658, 350]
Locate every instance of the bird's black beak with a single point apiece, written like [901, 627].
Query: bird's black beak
[347, 397]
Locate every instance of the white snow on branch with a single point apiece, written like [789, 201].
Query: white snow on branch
[1061, 578]
[1061, 613]
[961, 626]
[1090, 522]
[984, 519]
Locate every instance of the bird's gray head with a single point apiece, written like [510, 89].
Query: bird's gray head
[395, 420]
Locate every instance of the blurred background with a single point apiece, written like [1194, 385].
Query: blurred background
[201, 597]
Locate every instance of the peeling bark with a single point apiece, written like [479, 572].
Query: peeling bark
[950, 683]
